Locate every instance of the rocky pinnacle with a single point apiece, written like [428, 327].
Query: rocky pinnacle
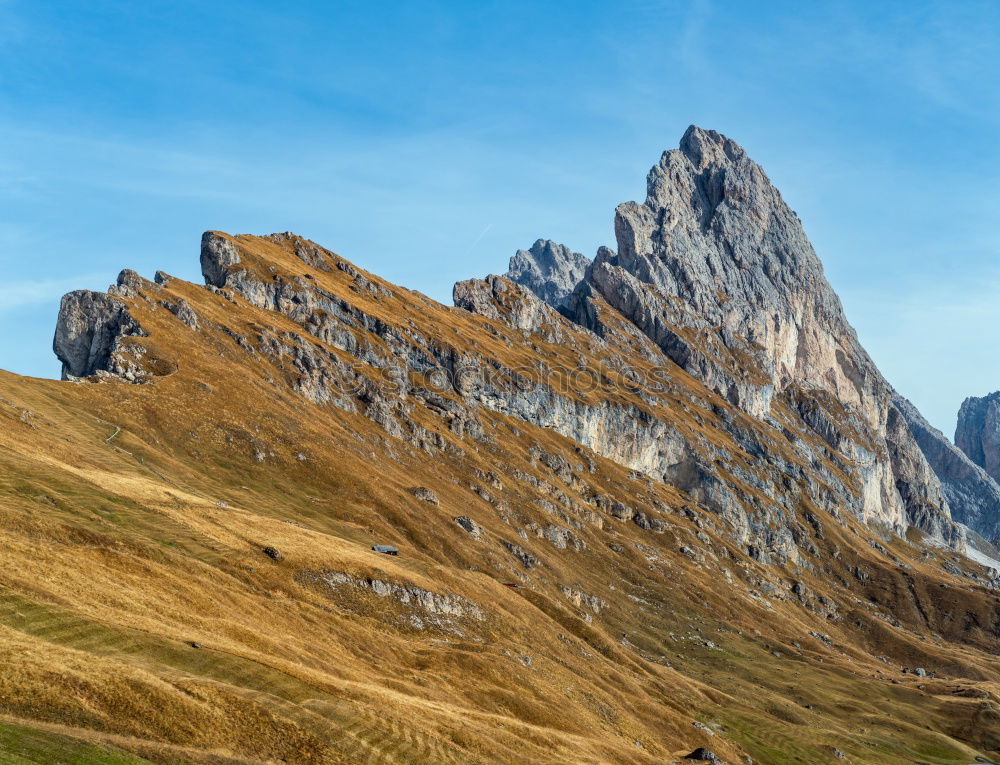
[717, 270]
[548, 269]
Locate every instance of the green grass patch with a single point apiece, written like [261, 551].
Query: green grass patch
[20, 745]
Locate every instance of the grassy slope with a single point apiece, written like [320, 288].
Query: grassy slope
[117, 556]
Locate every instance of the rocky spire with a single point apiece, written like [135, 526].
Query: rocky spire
[714, 232]
[548, 269]
[716, 269]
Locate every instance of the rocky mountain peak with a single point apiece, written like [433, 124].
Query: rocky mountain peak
[703, 147]
[715, 252]
[713, 274]
[715, 268]
[715, 231]
[548, 269]
[692, 455]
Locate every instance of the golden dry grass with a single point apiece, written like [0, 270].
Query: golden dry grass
[117, 556]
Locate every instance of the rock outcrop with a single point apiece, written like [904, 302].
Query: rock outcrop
[89, 332]
[978, 432]
[496, 297]
[548, 269]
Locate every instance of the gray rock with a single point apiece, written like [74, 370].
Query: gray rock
[88, 330]
[548, 269]
[422, 492]
[527, 559]
[217, 255]
[180, 308]
[978, 432]
[716, 269]
[702, 754]
[474, 529]
[436, 603]
[500, 299]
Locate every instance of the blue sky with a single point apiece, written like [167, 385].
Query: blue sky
[428, 141]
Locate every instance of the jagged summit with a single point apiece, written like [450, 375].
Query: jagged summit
[705, 146]
[715, 268]
[714, 231]
[548, 269]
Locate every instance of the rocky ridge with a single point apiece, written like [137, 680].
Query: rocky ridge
[713, 274]
[973, 494]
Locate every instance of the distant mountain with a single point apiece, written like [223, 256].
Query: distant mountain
[973, 495]
[978, 432]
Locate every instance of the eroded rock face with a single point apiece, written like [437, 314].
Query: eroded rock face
[978, 432]
[217, 254]
[433, 602]
[716, 269]
[548, 269]
[88, 333]
[498, 298]
[418, 608]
